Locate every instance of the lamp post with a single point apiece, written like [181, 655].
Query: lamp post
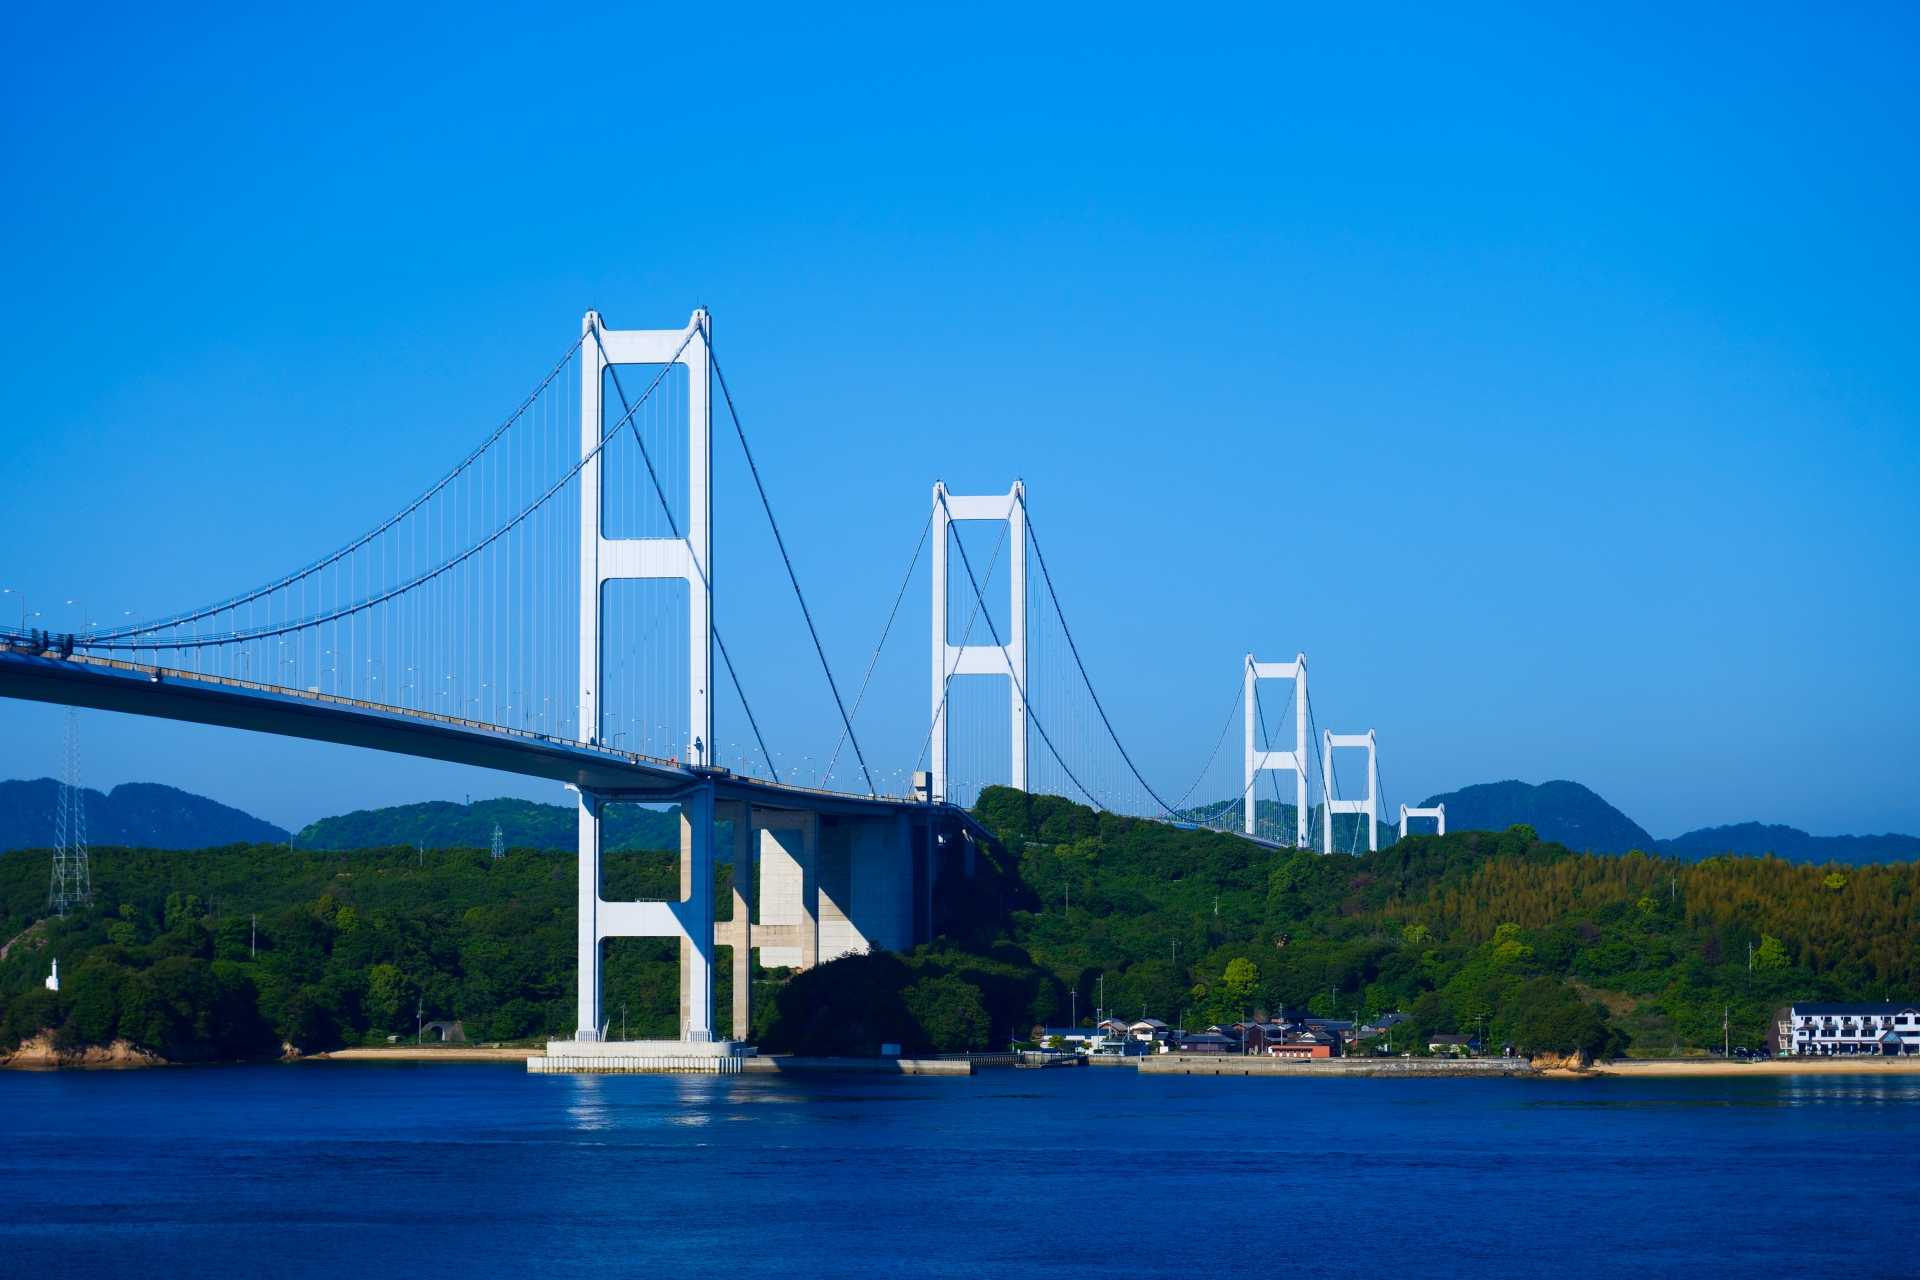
[11, 591]
[135, 613]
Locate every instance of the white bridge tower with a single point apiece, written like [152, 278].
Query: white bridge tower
[688, 557]
[1002, 655]
[1294, 760]
[1370, 806]
[1438, 812]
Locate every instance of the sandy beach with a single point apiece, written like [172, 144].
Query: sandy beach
[1648, 1067]
[430, 1053]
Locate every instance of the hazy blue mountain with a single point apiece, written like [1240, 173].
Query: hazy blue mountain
[440, 824]
[137, 814]
[1792, 844]
[1563, 811]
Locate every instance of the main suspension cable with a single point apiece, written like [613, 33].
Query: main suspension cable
[846, 720]
[979, 594]
[859, 697]
[1075, 650]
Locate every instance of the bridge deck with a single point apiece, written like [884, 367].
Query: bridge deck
[109, 684]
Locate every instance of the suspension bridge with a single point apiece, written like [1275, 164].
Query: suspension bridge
[546, 608]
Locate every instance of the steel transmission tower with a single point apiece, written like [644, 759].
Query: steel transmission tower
[499, 843]
[72, 876]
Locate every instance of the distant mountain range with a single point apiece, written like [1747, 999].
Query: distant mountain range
[148, 815]
[1792, 844]
[1563, 811]
[1580, 819]
[438, 824]
[137, 814]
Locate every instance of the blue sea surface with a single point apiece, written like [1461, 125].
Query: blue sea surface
[343, 1168]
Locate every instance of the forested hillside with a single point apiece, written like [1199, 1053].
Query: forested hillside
[224, 952]
[1485, 924]
[1522, 937]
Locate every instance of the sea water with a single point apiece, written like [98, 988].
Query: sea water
[342, 1169]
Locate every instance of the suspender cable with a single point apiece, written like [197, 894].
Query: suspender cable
[1239, 692]
[846, 721]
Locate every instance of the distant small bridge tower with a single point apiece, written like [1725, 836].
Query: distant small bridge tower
[1370, 806]
[1438, 812]
[1294, 760]
[1003, 655]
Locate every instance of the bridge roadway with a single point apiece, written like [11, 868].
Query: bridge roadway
[116, 685]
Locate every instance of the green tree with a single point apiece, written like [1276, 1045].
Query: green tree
[1772, 953]
[951, 1013]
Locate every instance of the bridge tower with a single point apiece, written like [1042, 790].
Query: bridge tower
[1004, 655]
[688, 557]
[1370, 806]
[1438, 813]
[1294, 760]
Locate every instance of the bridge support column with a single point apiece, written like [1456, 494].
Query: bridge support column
[589, 1024]
[696, 915]
[740, 933]
[788, 931]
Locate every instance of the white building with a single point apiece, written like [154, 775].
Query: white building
[1827, 1030]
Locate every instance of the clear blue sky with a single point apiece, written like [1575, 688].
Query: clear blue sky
[1549, 378]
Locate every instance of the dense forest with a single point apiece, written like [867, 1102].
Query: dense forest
[239, 950]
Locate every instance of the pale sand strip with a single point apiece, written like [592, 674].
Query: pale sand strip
[428, 1053]
[1647, 1067]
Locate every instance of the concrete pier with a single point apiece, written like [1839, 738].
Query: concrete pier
[616, 1057]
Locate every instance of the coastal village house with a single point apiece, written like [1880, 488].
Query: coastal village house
[1835, 1030]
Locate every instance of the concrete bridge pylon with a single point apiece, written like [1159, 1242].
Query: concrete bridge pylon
[1294, 760]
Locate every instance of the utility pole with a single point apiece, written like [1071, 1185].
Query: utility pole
[419, 1013]
[1726, 1031]
[253, 940]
